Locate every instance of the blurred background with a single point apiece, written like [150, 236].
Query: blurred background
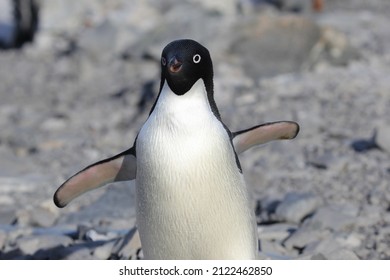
[78, 78]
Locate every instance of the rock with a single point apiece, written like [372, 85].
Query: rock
[318, 257]
[3, 239]
[94, 235]
[383, 136]
[280, 44]
[42, 217]
[129, 246]
[36, 217]
[322, 247]
[369, 215]
[77, 252]
[328, 161]
[341, 254]
[275, 231]
[100, 40]
[350, 240]
[29, 245]
[333, 217]
[89, 233]
[55, 123]
[274, 250]
[104, 251]
[222, 6]
[364, 145]
[296, 206]
[332, 48]
[7, 216]
[302, 237]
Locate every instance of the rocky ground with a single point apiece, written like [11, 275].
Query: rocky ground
[82, 90]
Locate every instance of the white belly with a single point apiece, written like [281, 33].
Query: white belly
[192, 202]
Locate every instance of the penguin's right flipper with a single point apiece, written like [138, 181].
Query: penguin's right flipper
[121, 167]
[263, 133]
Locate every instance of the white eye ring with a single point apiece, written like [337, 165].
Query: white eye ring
[163, 61]
[196, 58]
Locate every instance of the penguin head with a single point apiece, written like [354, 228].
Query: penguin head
[183, 63]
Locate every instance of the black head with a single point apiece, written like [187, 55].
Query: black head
[183, 63]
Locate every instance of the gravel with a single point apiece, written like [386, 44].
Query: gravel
[82, 90]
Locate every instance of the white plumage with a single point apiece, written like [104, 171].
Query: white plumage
[195, 204]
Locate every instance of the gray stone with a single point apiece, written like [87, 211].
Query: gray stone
[3, 239]
[370, 215]
[322, 247]
[37, 217]
[280, 44]
[296, 206]
[341, 254]
[7, 216]
[275, 231]
[104, 251]
[302, 237]
[350, 240]
[100, 40]
[225, 7]
[94, 235]
[383, 136]
[275, 251]
[78, 253]
[54, 123]
[31, 244]
[318, 257]
[332, 217]
[42, 217]
[128, 246]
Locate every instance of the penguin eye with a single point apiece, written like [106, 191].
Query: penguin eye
[196, 58]
[163, 61]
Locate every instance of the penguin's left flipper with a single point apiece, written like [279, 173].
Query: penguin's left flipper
[263, 133]
[121, 167]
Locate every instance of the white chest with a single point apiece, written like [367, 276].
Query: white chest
[192, 201]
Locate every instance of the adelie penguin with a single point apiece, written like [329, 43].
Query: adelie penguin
[191, 198]
[19, 20]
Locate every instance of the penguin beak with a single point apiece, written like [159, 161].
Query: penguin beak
[174, 65]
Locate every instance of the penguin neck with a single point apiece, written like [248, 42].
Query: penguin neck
[207, 87]
[198, 99]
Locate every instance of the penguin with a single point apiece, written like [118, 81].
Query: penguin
[19, 20]
[191, 198]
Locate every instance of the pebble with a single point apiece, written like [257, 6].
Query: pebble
[94, 235]
[322, 246]
[275, 231]
[36, 217]
[383, 136]
[302, 237]
[128, 247]
[3, 239]
[341, 254]
[369, 215]
[350, 240]
[7, 217]
[329, 217]
[296, 206]
[275, 250]
[104, 251]
[41, 217]
[77, 252]
[29, 245]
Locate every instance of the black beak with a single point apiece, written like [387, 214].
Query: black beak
[174, 65]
